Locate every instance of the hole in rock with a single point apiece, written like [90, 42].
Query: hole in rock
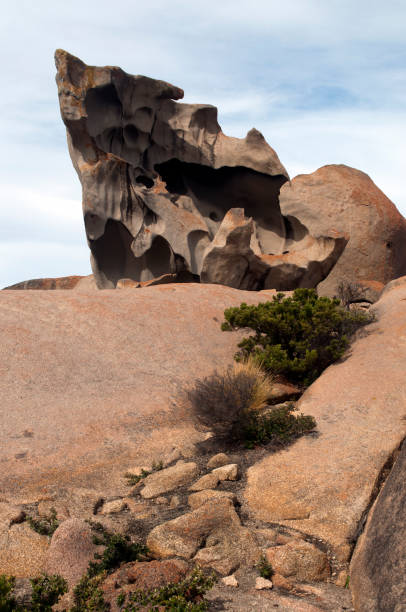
[145, 180]
[112, 253]
[103, 108]
[214, 192]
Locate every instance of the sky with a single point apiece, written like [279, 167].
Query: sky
[323, 80]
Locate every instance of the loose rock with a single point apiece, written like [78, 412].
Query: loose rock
[218, 461]
[201, 497]
[262, 583]
[230, 581]
[300, 560]
[168, 479]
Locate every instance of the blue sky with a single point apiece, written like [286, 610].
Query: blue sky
[323, 80]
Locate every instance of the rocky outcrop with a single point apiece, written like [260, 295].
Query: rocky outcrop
[159, 178]
[64, 282]
[323, 484]
[347, 200]
[211, 535]
[93, 381]
[378, 567]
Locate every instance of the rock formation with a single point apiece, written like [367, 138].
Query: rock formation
[346, 199]
[165, 191]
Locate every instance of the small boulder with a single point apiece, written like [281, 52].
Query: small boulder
[215, 524]
[201, 497]
[230, 581]
[208, 481]
[113, 507]
[299, 559]
[218, 461]
[262, 583]
[71, 549]
[227, 472]
[168, 479]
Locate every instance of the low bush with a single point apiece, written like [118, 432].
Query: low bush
[185, 596]
[46, 592]
[225, 401]
[118, 549]
[133, 479]
[265, 568]
[279, 424]
[45, 525]
[298, 336]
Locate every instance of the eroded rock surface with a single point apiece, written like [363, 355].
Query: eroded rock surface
[165, 191]
[322, 485]
[340, 197]
[378, 567]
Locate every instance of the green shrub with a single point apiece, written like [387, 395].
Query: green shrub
[133, 479]
[45, 525]
[46, 592]
[227, 401]
[7, 602]
[265, 568]
[87, 595]
[185, 596]
[118, 549]
[298, 336]
[278, 424]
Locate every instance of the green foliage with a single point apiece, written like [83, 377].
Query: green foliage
[278, 424]
[264, 568]
[298, 336]
[118, 549]
[7, 602]
[46, 525]
[185, 596]
[46, 592]
[88, 596]
[133, 479]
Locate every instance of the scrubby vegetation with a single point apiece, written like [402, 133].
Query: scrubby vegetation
[279, 424]
[45, 525]
[232, 404]
[133, 479]
[227, 400]
[298, 336]
[185, 596]
[265, 568]
[46, 592]
[118, 549]
[350, 293]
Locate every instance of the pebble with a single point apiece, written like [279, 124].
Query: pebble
[230, 581]
[262, 583]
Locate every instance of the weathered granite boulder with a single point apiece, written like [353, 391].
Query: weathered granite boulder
[64, 282]
[378, 567]
[93, 380]
[347, 200]
[322, 485]
[159, 178]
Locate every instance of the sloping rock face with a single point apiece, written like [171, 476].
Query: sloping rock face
[90, 382]
[347, 200]
[64, 282]
[323, 484]
[378, 567]
[159, 178]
